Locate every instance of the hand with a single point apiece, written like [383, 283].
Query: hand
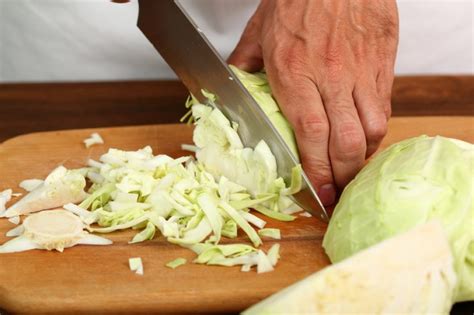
[330, 65]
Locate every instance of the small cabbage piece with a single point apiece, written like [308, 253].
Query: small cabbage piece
[408, 184]
[274, 254]
[62, 186]
[176, 263]
[14, 220]
[272, 233]
[136, 265]
[236, 254]
[16, 231]
[94, 138]
[411, 273]
[52, 229]
[5, 196]
[146, 234]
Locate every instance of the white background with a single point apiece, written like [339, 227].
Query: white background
[90, 40]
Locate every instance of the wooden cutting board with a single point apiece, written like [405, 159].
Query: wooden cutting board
[97, 279]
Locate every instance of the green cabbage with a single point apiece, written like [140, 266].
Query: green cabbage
[176, 263]
[258, 86]
[410, 183]
[400, 275]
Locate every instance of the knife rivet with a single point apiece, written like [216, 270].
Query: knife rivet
[231, 78]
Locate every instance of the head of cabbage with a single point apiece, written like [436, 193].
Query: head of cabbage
[408, 184]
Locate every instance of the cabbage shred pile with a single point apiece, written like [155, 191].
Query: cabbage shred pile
[192, 202]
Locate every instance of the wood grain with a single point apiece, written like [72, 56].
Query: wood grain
[91, 279]
[87, 279]
[34, 107]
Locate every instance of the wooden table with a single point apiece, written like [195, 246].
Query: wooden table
[26, 108]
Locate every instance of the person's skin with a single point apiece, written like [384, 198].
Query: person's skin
[330, 64]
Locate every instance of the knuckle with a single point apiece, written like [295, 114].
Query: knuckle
[376, 129]
[312, 127]
[351, 140]
[318, 171]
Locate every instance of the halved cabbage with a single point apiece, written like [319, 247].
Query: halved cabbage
[401, 275]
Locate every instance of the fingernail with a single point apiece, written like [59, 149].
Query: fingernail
[327, 194]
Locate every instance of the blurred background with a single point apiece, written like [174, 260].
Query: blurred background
[94, 40]
[83, 63]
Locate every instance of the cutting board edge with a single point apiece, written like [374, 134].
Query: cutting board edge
[21, 137]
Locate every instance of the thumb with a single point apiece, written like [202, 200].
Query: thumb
[247, 55]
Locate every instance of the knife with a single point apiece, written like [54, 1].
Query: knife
[188, 52]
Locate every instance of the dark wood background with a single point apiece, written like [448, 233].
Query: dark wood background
[30, 107]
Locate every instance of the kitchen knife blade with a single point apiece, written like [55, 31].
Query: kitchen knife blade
[188, 52]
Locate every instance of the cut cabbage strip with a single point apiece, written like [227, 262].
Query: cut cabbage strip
[5, 196]
[208, 204]
[146, 234]
[272, 233]
[52, 229]
[242, 223]
[176, 263]
[136, 265]
[263, 263]
[189, 147]
[94, 138]
[122, 226]
[253, 219]
[274, 254]
[14, 220]
[237, 254]
[274, 214]
[31, 184]
[17, 231]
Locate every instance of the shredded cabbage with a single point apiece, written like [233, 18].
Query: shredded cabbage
[192, 203]
[272, 233]
[136, 265]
